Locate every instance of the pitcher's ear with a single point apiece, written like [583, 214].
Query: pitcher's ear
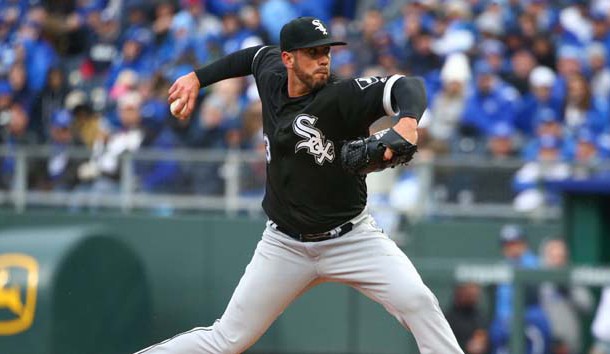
[288, 59]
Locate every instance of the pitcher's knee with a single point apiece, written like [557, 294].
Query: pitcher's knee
[417, 298]
[232, 344]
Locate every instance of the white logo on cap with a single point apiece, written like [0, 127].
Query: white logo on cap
[319, 26]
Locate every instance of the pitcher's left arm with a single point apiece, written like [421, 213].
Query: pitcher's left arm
[393, 146]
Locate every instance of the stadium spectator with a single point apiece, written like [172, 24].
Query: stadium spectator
[492, 101]
[574, 23]
[388, 59]
[344, 63]
[601, 28]
[13, 115]
[415, 18]
[178, 40]
[254, 172]
[101, 173]
[528, 28]
[134, 13]
[155, 109]
[13, 132]
[539, 97]
[14, 11]
[598, 72]
[127, 81]
[586, 155]
[251, 20]
[582, 108]
[48, 101]
[7, 50]
[522, 62]
[603, 141]
[456, 30]
[71, 27]
[222, 109]
[564, 306]
[492, 21]
[447, 105]
[543, 13]
[501, 141]
[569, 62]
[492, 53]
[87, 125]
[421, 57]
[547, 122]
[206, 24]
[59, 172]
[274, 14]
[102, 50]
[529, 181]
[40, 55]
[133, 56]
[216, 123]
[161, 133]
[164, 16]
[514, 41]
[365, 38]
[537, 331]
[163, 175]
[467, 319]
[18, 79]
[233, 36]
[601, 325]
[543, 49]
[517, 253]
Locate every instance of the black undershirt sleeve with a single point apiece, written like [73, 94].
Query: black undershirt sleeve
[233, 65]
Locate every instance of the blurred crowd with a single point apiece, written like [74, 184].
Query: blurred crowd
[523, 79]
[556, 319]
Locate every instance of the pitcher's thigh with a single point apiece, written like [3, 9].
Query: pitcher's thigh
[399, 287]
[377, 267]
[272, 280]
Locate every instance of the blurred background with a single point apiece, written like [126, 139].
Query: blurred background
[121, 226]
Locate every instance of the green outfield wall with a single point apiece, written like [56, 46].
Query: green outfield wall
[129, 280]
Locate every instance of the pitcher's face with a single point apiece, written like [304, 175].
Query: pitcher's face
[312, 66]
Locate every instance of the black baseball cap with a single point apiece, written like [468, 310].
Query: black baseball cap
[305, 32]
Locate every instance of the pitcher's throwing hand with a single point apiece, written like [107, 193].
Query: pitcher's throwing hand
[183, 95]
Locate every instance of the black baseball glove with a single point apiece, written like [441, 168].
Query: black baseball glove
[365, 155]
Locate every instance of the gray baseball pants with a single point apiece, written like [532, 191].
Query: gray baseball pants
[283, 268]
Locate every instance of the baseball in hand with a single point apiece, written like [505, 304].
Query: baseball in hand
[174, 107]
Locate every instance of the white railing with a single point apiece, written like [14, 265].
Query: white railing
[129, 197]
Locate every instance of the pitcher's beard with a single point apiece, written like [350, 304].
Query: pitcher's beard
[312, 83]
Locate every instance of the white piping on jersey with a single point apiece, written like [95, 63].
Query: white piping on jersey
[387, 95]
[255, 55]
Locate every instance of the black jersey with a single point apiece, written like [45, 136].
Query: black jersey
[307, 190]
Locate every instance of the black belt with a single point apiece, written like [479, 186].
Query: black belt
[322, 236]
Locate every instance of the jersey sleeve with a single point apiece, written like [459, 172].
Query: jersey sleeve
[233, 65]
[266, 60]
[266, 67]
[363, 100]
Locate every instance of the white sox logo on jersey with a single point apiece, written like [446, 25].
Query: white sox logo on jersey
[364, 82]
[314, 142]
[319, 26]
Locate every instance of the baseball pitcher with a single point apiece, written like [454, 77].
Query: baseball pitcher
[318, 155]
